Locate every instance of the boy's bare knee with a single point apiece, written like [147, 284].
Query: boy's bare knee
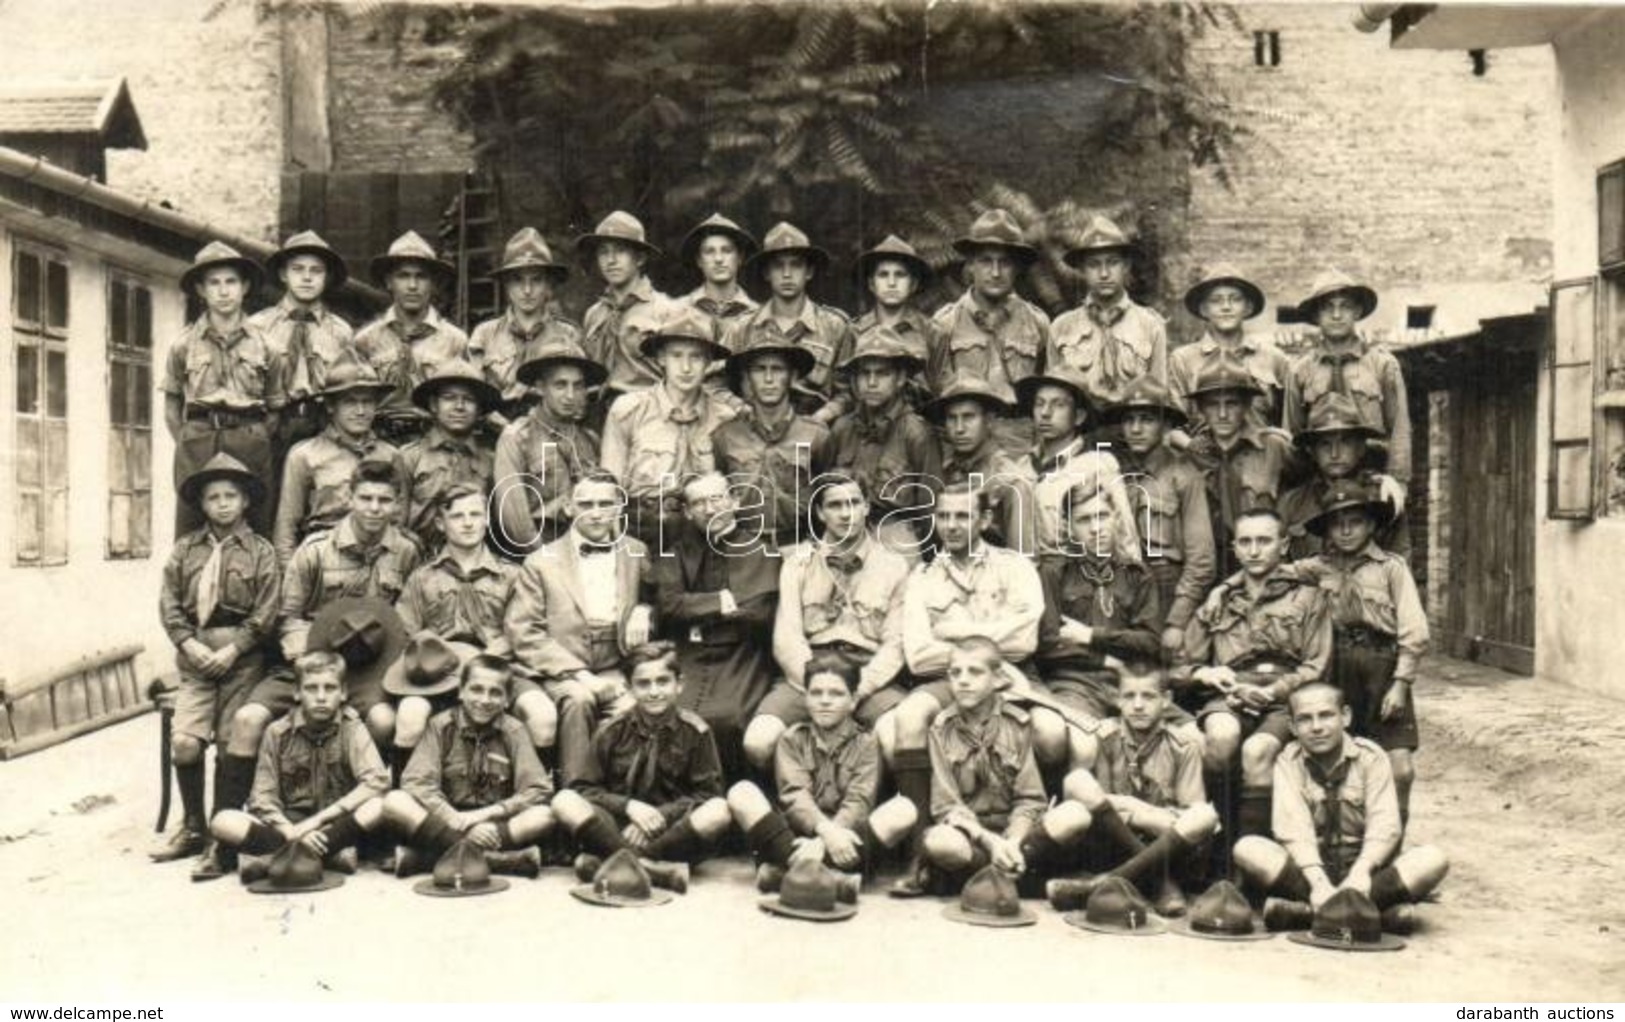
[710, 817]
[1081, 787]
[186, 750]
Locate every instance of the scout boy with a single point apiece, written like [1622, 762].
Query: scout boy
[1065, 455]
[529, 278]
[540, 456]
[473, 777]
[828, 771]
[452, 452]
[218, 605]
[656, 436]
[311, 339]
[1110, 338]
[786, 264]
[318, 779]
[771, 455]
[1335, 823]
[894, 274]
[655, 783]
[1343, 362]
[618, 323]
[224, 386]
[989, 332]
[316, 476]
[1224, 300]
[1338, 442]
[1379, 629]
[411, 339]
[717, 247]
[966, 411]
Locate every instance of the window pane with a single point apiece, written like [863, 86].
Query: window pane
[27, 380]
[1573, 478]
[118, 524]
[28, 527]
[54, 547]
[56, 384]
[56, 454]
[56, 292]
[118, 313]
[1571, 397]
[28, 453]
[118, 394]
[141, 395]
[141, 460]
[118, 467]
[141, 524]
[28, 287]
[143, 318]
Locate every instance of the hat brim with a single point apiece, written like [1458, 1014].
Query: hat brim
[337, 271]
[1072, 257]
[585, 892]
[252, 272]
[650, 346]
[1112, 415]
[1305, 437]
[1027, 391]
[396, 683]
[1380, 510]
[378, 389]
[382, 266]
[911, 363]
[920, 269]
[359, 679]
[1182, 926]
[1366, 297]
[1153, 927]
[1252, 390]
[1387, 942]
[488, 396]
[530, 373]
[329, 881]
[428, 887]
[689, 250]
[755, 268]
[1023, 917]
[936, 409]
[193, 485]
[558, 271]
[968, 247]
[841, 911]
[801, 360]
[587, 245]
[1195, 296]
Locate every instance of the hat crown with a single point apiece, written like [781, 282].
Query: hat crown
[1222, 909]
[990, 893]
[352, 372]
[215, 251]
[621, 224]
[785, 236]
[1226, 374]
[996, 227]
[526, 248]
[412, 245]
[306, 239]
[359, 636]
[1117, 903]
[685, 322]
[295, 866]
[891, 244]
[429, 658]
[1334, 411]
[808, 886]
[1146, 390]
[456, 369]
[462, 866]
[880, 342]
[1348, 917]
[622, 876]
[964, 385]
[1102, 232]
[224, 462]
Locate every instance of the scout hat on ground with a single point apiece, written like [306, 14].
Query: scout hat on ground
[989, 898]
[1145, 393]
[801, 360]
[882, 342]
[786, 239]
[1221, 913]
[411, 248]
[295, 869]
[464, 373]
[527, 250]
[1348, 493]
[1223, 275]
[560, 351]
[222, 466]
[618, 226]
[1115, 906]
[1101, 234]
[1227, 375]
[1064, 376]
[965, 387]
[1335, 413]
[894, 250]
[353, 375]
[1348, 921]
[996, 229]
[461, 873]
[367, 632]
[717, 224]
[809, 891]
[310, 243]
[1335, 282]
[621, 882]
[428, 666]
[683, 322]
[218, 253]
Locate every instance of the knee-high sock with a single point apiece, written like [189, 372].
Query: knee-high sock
[912, 771]
[1388, 889]
[1291, 883]
[262, 839]
[599, 835]
[398, 758]
[1116, 829]
[435, 835]
[1039, 849]
[679, 842]
[233, 779]
[189, 779]
[1153, 857]
[342, 831]
[770, 838]
[1253, 817]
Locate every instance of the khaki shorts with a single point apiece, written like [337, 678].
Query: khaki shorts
[204, 707]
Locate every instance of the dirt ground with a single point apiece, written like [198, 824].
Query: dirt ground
[1521, 782]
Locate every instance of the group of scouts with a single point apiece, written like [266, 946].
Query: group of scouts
[1004, 606]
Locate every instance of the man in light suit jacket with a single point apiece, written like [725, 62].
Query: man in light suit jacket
[579, 603]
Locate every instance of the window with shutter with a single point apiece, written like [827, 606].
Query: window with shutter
[1571, 364]
[129, 416]
[40, 326]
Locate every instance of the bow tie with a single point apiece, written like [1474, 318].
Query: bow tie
[302, 316]
[589, 549]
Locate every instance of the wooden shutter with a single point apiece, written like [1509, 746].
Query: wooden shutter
[1571, 361]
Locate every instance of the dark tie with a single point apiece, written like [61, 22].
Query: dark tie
[1331, 826]
[319, 780]
[299, 351]
[1339, 384]
[591, 549]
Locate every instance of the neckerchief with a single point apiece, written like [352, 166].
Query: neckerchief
[1100, 572]
[643, 772]
[826, 757]
[1331, 782]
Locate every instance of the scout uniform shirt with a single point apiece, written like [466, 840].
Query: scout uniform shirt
[996, 590]
[457, 604]
[302, 768]
[1008, 484]
[772, 465]
[1246, 477]
[238, 373]
[1110, 345]
[1163, 768]
[984, 775]
[247, 587]
[1369, 375]
[309, 341]
[1118, 601]
[1304, 502]
[548, 455]
[1373, 589]
[316, 485]
[913, 328]
[668, 762]
[500, 346]
[1000, 344]
[650, 443]
[1078, 462]
[724, 313]
[459, 765]
[880, 449]
[1169, 496]
[820, 329]
[614, 327]
[434, 464]
[1289, 618]
[823, 775]
[405, 356]
[853, 598]
[1268, 365]
[334, 564]
[1327, 817]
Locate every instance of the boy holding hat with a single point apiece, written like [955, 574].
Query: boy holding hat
[990, 332]
[1224, 301]
[1337, 440]
[1343, 362]
[893, 273]
[316, 477]
[1110, 338]
[218, 605]
[966, 411]
[457, 397]
[311, 338]
[224, 385]
[530, 319]
[628, 311]
[540, 456]
[411, 339]
[787, 263]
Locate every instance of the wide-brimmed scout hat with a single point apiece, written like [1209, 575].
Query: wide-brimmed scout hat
[366, 631]
[1223, 275]
[882, 342]
[801, 360]
[295, 869]
[1100, 234]
[1226, 375]
[786, 239]
[809, 891]
[1064, 376]
[1348, 921]
[222, 466]
[428, 666]
[996, 229]
[457, 371]
[560, 351]
[461, 873]
[527, 250]
[411, 248]
[964, 387]
[619, 226]
[1221, 913]
[1144, 393]
[1346, 493]
[1118, 908]
[218, 253]
[718, 224]
[895, 250]
[310, 243]
[1335, 413]
[352, 375]
[989, 898]
[683, 322]
[621, 882]
[1332, 282]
